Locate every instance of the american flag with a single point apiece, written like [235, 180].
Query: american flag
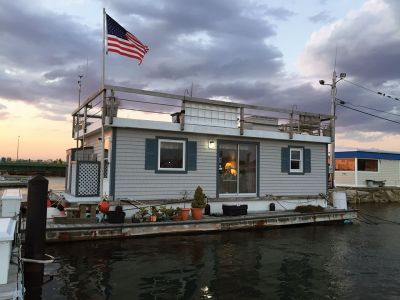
[123, 42]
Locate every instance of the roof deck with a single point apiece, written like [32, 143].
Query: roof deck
[116, 106]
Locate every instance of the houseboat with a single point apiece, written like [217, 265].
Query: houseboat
[154, 147]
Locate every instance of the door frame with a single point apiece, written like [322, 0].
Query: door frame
[238, 195]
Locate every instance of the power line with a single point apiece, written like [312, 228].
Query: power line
[372, 91]
[379, 117]
[366, 107]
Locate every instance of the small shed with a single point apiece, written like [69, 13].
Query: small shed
[367, 168]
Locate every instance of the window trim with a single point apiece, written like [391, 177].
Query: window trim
[368, 171]
[184, 162]
[301, 169]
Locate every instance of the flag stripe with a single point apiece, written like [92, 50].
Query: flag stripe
[125, 54]
[124, 44]
[125, 50]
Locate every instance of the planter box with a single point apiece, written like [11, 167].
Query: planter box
[234, 210]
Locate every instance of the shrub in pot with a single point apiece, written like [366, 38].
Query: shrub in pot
[198, 204]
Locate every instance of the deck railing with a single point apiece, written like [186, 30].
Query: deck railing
[122, 102]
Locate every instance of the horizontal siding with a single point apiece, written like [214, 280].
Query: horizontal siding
[134, 182]
[273, 181]
[345, 178]
[387, 170]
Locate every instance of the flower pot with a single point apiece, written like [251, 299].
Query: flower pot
[184, 213]
[153, 218]
[177, 218]
[197, 213]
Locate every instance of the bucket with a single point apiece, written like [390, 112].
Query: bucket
[339, 200]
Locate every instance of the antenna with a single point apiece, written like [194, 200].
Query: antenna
[334, 68]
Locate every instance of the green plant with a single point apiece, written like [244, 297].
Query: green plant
[199, 198]
[142, 213]
[155, 211]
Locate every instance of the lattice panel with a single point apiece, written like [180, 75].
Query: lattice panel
[88, 178]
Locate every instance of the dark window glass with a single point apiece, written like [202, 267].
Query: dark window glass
[295, 165]
[370, 165]
[171, 155]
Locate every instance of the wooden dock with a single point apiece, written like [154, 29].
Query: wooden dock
[85, 232]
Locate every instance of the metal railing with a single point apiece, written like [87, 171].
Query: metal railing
[116, 101]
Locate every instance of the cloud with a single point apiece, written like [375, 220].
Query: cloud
[367, 46]
[321, 17]
[3, 111]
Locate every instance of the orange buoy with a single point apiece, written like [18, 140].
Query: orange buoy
[104, 206]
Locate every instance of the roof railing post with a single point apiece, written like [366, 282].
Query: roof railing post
[182, 116]
[241, 120]
[291, 126]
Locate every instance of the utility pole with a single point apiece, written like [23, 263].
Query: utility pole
[333, 123]
[17, 148]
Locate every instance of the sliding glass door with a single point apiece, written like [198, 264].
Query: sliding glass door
[237, 168]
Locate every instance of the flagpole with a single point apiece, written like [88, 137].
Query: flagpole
[103, 107]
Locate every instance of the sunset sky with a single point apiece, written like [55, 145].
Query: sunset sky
[260, 52]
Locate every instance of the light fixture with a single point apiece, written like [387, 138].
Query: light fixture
[211, 144]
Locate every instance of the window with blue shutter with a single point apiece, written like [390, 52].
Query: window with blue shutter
[295, 160]
[170, 155]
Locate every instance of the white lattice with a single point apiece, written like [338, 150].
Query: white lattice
[88, 184]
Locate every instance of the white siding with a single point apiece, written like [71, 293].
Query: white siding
[134, 182]
[387, 170]
[345, 178]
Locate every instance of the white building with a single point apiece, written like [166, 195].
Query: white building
[367, 168]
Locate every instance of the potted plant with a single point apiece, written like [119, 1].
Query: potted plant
[142, 213]
[154, 214]
[198, 204]
[178, 214]
[184, 211]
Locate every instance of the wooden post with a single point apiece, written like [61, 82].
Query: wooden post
[35, 236]
[291, 126]
[241, 120]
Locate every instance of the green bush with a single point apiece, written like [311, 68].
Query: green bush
[199, 198]
[309, 208]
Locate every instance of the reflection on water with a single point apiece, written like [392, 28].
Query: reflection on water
[357, 261]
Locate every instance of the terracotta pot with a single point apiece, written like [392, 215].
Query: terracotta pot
[197, 213]
[153, 218]
[184, 213]
[177, 218]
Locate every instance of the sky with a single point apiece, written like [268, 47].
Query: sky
[271, 53]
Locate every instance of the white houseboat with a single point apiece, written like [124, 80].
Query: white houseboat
[238, 153]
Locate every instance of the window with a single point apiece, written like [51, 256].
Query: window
[370, 165]
[344, 164]
[296, 160]
[171, 155]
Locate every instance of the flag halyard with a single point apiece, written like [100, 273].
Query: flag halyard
[121, 41]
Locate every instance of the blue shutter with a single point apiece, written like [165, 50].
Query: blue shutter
[285, 160]
[191, 156]
[307, 160]
[150, 162]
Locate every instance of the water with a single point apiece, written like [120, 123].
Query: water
[358, 261]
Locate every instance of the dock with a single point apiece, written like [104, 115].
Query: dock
[96, 231]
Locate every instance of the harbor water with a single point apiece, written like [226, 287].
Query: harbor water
[358, 261]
